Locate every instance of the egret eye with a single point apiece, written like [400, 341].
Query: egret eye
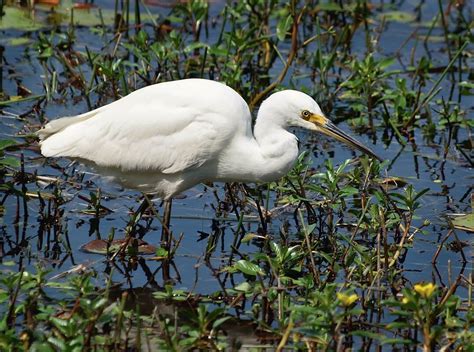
[305, 114]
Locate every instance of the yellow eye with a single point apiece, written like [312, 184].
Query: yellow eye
[305, 114]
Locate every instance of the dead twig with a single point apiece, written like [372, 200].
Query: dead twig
[291, 56]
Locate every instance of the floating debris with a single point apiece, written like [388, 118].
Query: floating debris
[109, 247]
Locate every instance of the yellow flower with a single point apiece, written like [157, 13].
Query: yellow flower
[346, 300]
[425, 290]
[405, 300]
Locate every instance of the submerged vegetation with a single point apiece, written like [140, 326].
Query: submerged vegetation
[341, 253]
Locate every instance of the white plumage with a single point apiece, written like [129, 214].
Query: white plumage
[170, 136]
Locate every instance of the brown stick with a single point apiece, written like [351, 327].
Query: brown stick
[291, 56]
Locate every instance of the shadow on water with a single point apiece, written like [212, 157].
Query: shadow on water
[239, 333]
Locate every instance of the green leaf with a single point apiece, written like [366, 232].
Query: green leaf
[276, 249]
[330, 7]
[466, 84]
[5, 143]
[283, 27]
[421, 193]
[41, 347]
[383, 64]
[393, 340]
[464, 222]
[10, 161]
[3, 296]
[244, 287]
[310, 228]
[9, 263]
[100, 303]
[59, 322]
[193, 46]
[59, 344]
[19, 99]
[249, 268]
[21, 19]
[364, 333]
[349, 191]
[19, 41]
[219, 322]
[249, 237]
[161, 252]
[399, 16]
[218, 51]
[16, 18]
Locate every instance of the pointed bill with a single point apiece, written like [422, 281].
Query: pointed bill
[328, 128]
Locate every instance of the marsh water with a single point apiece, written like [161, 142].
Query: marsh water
[440, 161]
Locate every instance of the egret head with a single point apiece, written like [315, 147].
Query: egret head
[296, 109]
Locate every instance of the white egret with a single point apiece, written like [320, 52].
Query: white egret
[168, 137]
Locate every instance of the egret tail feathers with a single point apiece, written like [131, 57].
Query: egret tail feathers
[58, 125]
[54, 137]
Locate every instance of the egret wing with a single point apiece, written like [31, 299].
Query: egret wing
[150, 136]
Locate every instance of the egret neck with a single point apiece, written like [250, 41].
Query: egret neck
[267, 156]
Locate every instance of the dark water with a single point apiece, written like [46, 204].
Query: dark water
[419, 163]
